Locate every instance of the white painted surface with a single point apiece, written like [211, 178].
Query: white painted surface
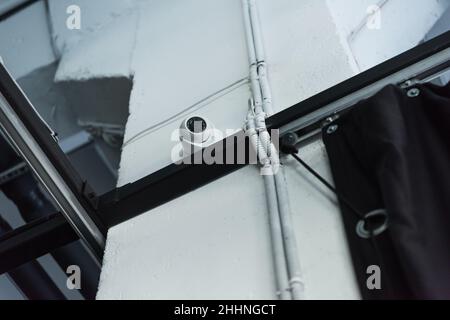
[103, 54]
[185, 51]
[214, 243]
[176, 68]
[303, 51]
[24, 32]
[95, 15]
[322, 244]
[208, 244]
[403, 25]
[225, 112]
[104, 45]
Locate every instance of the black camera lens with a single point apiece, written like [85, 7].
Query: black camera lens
[196, 125]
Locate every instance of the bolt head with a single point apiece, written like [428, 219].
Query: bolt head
[413, 93]
[332, 129]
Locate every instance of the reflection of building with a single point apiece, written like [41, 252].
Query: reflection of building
[190, 57]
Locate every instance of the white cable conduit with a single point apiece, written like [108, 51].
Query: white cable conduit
[260, 56]
[290, 244]
[269, 157]
[281, 275]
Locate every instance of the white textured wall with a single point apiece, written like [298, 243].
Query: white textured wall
[182, 55]
[104, 45]
[403, 25]
[184, 52]
[95, 15]
[215, 242]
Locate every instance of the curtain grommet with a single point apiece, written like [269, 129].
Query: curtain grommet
[413, 93]
[332, 129]
[364, 233]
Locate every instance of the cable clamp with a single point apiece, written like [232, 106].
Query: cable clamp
[260, 122]
[296, 280]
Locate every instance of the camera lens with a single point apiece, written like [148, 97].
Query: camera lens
[196, 125]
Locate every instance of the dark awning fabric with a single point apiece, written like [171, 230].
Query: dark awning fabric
[392, 152]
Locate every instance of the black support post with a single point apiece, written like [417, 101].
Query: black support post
[34, 240]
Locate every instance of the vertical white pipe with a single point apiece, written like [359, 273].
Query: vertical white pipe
[289, 241]
[277, 240]
[265, 89]
[260, 57]
[281, 274]
[256, 90]
[290, 244]
[249, 34]
[257, 33]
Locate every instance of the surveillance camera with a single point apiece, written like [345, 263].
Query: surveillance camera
[196, 132]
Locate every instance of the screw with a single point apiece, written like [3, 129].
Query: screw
[407, 84]
[413, 93]
[329, 120]
[288, 143]
[332, 129]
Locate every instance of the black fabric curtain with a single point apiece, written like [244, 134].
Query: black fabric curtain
[392, 153]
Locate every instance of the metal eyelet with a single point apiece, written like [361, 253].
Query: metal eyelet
[413, 93]
[332, 129]
[361, 229]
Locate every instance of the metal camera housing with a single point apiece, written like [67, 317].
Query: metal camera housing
[196, 132]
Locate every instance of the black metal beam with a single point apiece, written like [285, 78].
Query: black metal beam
[34, 240]
[30, 278]
[360, 81]
[174, 181]
[17, 9]
[168, 184]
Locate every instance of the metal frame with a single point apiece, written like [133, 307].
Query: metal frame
[69, 145]
[37, 145]
[19, 7]
[416, 64]
[85, 212]
[34, 240]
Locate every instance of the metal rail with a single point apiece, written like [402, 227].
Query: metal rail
[10, 7]
[34, 240]
[421, 72]
[69, 201]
